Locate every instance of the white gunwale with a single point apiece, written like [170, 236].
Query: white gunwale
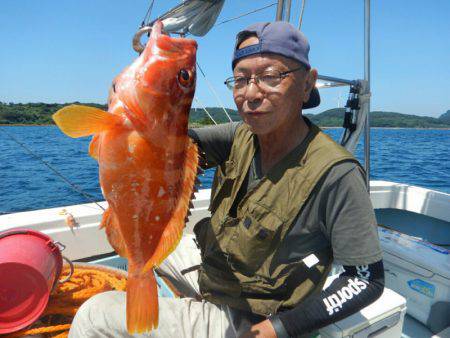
[86, 240]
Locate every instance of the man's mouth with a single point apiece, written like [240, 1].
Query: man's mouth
[255, 112]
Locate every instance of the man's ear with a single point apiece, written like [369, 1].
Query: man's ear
[310, 82]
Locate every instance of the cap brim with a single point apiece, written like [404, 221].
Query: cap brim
[314, 99]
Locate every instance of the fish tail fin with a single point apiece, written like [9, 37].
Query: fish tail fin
[78, 121]
[142, 302]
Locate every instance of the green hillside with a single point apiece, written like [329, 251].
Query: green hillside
[328, 118]
[33, 113]
[40, 113]
[334, 118]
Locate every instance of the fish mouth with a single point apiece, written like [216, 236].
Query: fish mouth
[157, 29]
[170, 44]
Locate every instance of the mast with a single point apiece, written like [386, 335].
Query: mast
[288, 10]
[283, 13]
[367, 79]
[283, 10]
[280, 10]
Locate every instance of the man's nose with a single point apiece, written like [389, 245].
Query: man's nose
[253, 92]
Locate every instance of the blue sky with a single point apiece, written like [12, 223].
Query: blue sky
[64, 51]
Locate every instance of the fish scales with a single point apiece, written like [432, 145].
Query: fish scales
[147, 162]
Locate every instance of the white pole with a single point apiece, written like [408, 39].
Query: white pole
[280, 11]
[288, 11]
[367, 78]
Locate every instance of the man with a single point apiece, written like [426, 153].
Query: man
[286, 201]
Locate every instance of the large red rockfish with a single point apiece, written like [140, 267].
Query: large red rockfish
[147, 162]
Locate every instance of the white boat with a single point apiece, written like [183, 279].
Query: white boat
[394, 203]
[415, 237]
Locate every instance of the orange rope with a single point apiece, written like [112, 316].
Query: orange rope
[67, 298]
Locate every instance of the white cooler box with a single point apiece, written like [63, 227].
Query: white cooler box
[419, 271]
[381, 319]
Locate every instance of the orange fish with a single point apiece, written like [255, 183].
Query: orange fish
[147, 162]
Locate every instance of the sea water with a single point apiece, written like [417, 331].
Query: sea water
[418, 157]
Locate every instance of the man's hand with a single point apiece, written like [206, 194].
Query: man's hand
[261, 330]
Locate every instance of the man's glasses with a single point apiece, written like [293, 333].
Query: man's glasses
[266, 80]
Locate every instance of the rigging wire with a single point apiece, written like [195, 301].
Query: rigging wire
[301, 15]
[146, 20]
[75, 187]
[214, 92]
[203, 73]
[245, 14]
[198, 65]
[207, 112]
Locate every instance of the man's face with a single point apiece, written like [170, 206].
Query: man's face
[267, 109]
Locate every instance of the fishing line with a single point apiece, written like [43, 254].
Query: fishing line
[147, 15]
[214, 92]
[207, 112]
[203, 73]
[89, 197]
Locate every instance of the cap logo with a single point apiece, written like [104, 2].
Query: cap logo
[249, 50]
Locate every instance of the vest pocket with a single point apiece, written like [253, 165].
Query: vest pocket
[214, 280]
[255, 238]
[224, 179]
[201, 230]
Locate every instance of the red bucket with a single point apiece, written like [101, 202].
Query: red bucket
[30, 265]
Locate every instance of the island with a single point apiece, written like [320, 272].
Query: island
[40, 114]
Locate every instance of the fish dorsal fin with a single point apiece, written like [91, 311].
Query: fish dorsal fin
[174, 230]
[78, 121]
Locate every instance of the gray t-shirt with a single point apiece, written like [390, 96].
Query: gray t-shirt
[338, 213]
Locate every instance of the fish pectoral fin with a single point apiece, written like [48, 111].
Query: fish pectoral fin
[174, 229]
[167, 243]
[93, 146]
[78, 121]
[113, 233]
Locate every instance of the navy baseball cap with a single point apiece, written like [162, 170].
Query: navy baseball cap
[281, 38]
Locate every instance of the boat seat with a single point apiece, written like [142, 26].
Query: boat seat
[412, 328]
[443, 334]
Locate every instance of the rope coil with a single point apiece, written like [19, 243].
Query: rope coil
[87, 280]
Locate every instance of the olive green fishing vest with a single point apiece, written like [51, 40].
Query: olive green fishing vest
[238, 265]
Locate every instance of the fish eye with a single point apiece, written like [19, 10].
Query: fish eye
[185, 78]
[184, 74]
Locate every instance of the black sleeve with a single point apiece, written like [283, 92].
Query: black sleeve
[354, 289]
[214, 143]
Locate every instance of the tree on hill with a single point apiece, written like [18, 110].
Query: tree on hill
[445, 117]
[217, 114]
[329, 118]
